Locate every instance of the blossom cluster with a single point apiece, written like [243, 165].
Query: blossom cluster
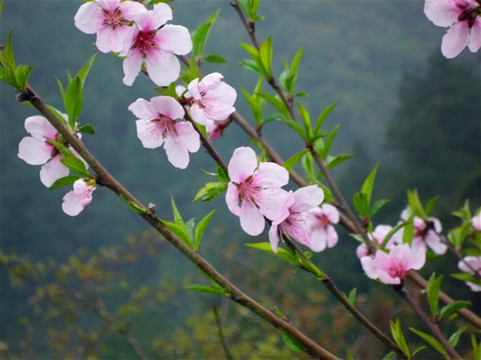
[393, 258]
[255, 193]
[141, 36]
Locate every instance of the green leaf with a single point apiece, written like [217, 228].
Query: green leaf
[177, 217]
[378, 205]
[432, 292]
[201, 34]
[281, 253]
[276, 102]
[87, 129]
[454, 338]
[322, 118]
[352, 296]
[210, 191]
[399, 338]
[252, 51]
[361, 204]
[306, 120]
[265, 53]
[180, 231]
[64, 181]
[294, 159]
[215, 59]
[22, 72]
[58, 115]
[448, 310]
[133, 206]
[2, 3]
[73, 101]
[476, 347]
[408, 233]
[390, 356]
[206, 289]
[292, 343]
[431, 204]
[337, 160]
[415, 204]
[251, 65]
[430, 340]
[84, 70]
[200, 229]
[368, 184]
[418, 350]
[75, 165]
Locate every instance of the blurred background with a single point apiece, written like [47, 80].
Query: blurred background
[102, 285]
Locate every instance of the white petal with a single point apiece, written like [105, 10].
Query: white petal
[175, 38]
[52, 171]
[251, 220]
[34, 151]
[149, 134]
[242, 164]
[455, 40]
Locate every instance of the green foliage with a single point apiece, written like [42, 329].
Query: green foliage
[399, 338]
[430, 340]
[250, 8]
[201, 35]
[432, 293]
[16, 76]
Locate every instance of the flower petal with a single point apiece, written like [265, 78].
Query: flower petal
[52, 171]
[175, 38]
[163, 67]
[455, 40]
[131, 66]
[168, 106]
[88, 17]
[251, 220]
[149, 134]
[34, 151]
[242, 164]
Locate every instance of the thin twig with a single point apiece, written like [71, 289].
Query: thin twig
[433, 327]
[228, 354]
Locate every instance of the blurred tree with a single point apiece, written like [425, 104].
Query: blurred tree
[435, 135]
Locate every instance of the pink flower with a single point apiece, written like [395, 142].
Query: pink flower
[110, 19]
[216, 130]
[36, 150]
[323, 233]
[157, 126]
[156, 45]
[476, 222]
[427, 233]
[294, 220]
[472, 265]
[464, 22]
[210, 99]
[392, 267]
[77, 199]
[377, 236]
[254, 191]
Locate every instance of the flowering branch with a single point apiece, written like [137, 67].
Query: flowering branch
[232, 292]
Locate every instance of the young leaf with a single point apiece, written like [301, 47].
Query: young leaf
[84, 71]
[201, 34]
[206, 289]
[64, 181]
[133, 206]
[399, 338]
[322, 118]
[292, 343]
[210, 191]
[430, 340]
[352, 296]
[215, 59]
[415, 204]
[431, 204]
[448, 310]
[265, 53]
[87, 129]
[180, 231]
[294, 159]
[75, 165]
[22, 72]
[177, 217]
[73, 101]
[337, 160]
[200, 228]
[432, 292]
[281, 253]
[454, 338]
[306, 120]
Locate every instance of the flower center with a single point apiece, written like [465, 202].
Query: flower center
[469, 12]
[165, 125]
[114, 18]
[248, 191]
[144, 41]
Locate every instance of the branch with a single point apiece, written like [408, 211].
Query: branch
[433, 327]
[234, 293]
